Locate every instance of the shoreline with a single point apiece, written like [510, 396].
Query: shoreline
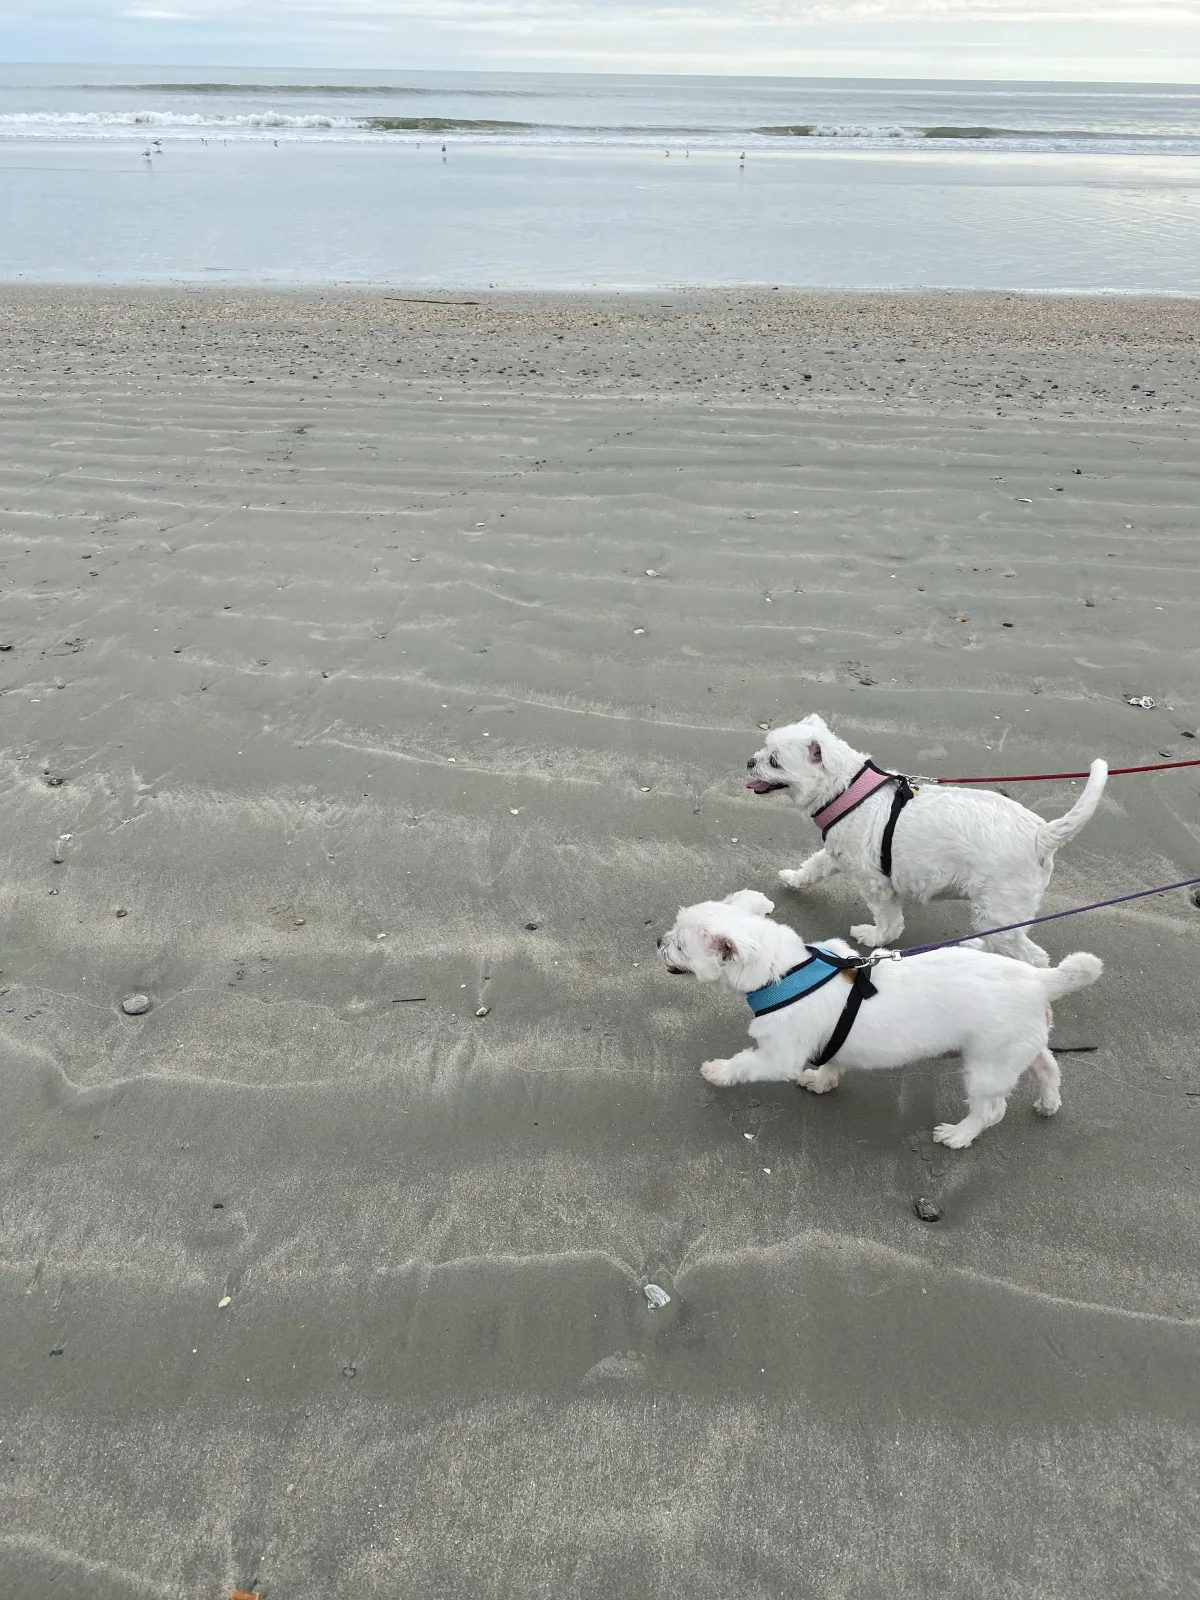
[386, 287]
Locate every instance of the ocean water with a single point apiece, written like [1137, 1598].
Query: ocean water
[560, 181]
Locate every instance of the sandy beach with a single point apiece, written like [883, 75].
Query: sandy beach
[334, 673]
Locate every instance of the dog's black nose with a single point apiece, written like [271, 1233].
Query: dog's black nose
[750, 765]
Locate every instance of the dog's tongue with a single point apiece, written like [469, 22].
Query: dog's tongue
[760, 787]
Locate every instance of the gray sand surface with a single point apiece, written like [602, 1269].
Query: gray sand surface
[332, 615]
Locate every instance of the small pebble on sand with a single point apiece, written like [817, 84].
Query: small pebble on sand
[135, 1005]
[926, 1210]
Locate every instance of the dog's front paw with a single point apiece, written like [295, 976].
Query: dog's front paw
[793, 878]
[716, 1072]
[819, 1080]
[1048, 1102]
[954, 1135]
[867, 933]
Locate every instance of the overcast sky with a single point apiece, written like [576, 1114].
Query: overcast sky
[1098, 39]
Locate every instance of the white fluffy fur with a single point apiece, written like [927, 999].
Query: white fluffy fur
[991, 1010]
[949, 844]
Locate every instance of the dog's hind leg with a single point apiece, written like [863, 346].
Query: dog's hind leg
[1024, 949]
[998, 911]
[885, 907]
[816, 869]
[1045, 1070]
[988, 1078]
[982, 1113]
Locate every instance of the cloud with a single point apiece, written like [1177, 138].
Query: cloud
[1114, 39]
[494, 15]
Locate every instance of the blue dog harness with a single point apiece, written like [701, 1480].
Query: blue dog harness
[822, 967]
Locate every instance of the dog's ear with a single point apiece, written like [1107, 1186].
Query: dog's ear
[751, 900]
[722, 947]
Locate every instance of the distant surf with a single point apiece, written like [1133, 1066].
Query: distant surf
[71, 125]
[59, 105]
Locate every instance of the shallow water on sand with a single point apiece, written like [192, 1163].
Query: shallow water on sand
[513, 216]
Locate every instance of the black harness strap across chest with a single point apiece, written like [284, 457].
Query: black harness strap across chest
[866, 782]
[821, 968]
[861, 989]
[904, 793]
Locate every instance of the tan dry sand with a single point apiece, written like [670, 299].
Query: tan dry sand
[333, 616]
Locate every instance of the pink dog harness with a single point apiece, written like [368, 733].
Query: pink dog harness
[868, 780]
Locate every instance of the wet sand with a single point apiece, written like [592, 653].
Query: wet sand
[332, 616]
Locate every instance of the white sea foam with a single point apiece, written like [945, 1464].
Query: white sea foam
[389, 128]
[841, 130]
[81, 124]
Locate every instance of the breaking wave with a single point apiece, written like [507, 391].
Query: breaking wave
[169, 121]
[816, 130]
[330, 125]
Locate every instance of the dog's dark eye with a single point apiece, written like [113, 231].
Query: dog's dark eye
[774, 761]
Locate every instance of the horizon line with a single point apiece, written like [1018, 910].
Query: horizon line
[613, 72]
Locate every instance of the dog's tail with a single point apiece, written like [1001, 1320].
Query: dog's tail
[1072, 972]
[1051, 836]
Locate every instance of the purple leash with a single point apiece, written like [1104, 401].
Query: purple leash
[1097, 905]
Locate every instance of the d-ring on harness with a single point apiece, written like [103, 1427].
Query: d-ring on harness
[822, 967]
[868, 780]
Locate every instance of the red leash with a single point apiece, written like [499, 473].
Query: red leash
[1040, 777]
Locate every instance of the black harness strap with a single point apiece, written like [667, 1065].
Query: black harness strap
[904, 793]
[861, 989]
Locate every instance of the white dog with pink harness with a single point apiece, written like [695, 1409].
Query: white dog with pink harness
[897, 840]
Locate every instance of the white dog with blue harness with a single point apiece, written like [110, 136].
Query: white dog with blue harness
[809, 1027]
